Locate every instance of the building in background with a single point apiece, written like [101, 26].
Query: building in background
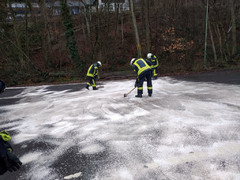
[113, 5]
[75, 6]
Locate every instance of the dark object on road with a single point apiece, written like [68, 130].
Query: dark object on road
[125, 95]
[8, 160]
[98, 87]
[138, 96]
[2, 86]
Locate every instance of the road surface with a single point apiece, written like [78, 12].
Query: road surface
[189, 129]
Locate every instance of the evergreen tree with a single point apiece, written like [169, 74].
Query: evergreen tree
[69, 33]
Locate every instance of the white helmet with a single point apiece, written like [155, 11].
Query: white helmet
[149, 55]
[132, 61]
[99, 62]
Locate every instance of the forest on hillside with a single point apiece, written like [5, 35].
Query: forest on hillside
[40, 46]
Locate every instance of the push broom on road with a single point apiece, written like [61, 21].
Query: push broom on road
[126, 94]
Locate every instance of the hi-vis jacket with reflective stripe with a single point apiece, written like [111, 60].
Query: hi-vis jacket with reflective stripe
[154, 61]
[93, 70]
[141, 65]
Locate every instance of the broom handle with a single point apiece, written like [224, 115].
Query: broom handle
[131, 91]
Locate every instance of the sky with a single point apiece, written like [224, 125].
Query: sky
[186, 130]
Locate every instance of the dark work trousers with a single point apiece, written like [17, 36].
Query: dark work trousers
[154, 73]
[91, 82]
[145, 75]
[3, 156]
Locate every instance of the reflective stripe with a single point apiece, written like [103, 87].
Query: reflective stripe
[141, 65]
[5, 135]
[154, 72]
[92, 71]
[155, 61]
[149, 88]
[94, 84]
[95, 71]
[140, 88]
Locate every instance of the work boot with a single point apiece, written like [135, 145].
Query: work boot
[149, 95]
[138, 95]
[87, 87]
[95, 88]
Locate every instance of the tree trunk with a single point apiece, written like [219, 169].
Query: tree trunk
[146, 13]
[122, 27]
[96, 32]
[27, 7]
[17, 38]
[213, 44]
[234, 28]
[220, 41]
[226, 50]
[87, 25]
[46, 34]
[71, 43]
[139, 49]
[117, 15]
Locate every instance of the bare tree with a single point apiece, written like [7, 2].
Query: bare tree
[17, 37]
[234, 27]
[146, 13]
[139, 49]
[213, 43]
[45, 32]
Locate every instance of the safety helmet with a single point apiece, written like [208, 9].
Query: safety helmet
[99, 63]
[132, 61]
[5, 135]
[149, 55]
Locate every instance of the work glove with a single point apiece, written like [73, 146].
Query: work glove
[136, 83]
[14, 162]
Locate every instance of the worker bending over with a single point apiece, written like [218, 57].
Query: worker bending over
[144, 71]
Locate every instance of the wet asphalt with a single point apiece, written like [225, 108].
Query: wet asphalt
[90, 163]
